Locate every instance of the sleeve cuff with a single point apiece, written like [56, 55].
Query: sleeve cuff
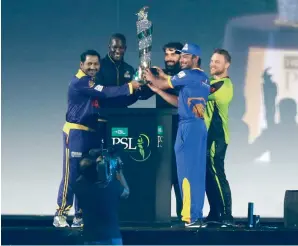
[170, 82]
[130, 88]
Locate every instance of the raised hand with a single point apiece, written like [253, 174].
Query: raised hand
[148, 75]
[135, 84]
[153, 87]
[161, 73]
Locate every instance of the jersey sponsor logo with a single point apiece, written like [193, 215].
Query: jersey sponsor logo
[181, 74]
[205, 83]
[76, 154]
[91, 83]
[198, 106]
[196, 98]
[98, 88]
[199, 110]
[190, 99]
[127, 75]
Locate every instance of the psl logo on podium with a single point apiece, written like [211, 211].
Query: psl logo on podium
[138, 147]
[159, 136]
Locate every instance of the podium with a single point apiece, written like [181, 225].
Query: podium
[145, 143]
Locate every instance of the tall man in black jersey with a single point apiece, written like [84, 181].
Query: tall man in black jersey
[116, 72]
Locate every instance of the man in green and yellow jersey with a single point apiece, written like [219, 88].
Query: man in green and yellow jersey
[216, 119]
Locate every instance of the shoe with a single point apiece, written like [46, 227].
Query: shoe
[60, 221]
[227, 221]
[197, 224]
[212, 219]
[77, 222]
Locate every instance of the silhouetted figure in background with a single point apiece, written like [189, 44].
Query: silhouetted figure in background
[280, 139]
[239, 133]
[270, 93]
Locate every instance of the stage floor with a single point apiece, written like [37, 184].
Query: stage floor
[37, 230]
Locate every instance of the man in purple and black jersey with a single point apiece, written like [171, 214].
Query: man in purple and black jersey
[83, 129]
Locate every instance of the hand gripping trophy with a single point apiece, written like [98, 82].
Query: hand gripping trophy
[144, 34]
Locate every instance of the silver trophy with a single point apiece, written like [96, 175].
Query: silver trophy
[144, 34]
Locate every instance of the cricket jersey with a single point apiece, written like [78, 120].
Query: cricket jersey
[191, 140]
[194, 89]
[116, 74]
[217, 109]
[84, 95]
[82, 131]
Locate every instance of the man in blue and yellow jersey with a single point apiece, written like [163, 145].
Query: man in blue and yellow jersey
[191, 140]
[216, 118]
[82, 130]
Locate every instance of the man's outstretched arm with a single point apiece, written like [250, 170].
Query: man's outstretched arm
[162, 81]
[171, 99]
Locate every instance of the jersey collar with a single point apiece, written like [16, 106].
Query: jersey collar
[226, 77]
[80, 74]
[197, 68]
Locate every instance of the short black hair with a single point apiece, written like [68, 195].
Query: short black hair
[199, 60]
[225, 53]
[89, 53]
[119, 36]
[172, 45]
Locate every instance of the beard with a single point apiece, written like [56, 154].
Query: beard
[173, 69]
[217, 72]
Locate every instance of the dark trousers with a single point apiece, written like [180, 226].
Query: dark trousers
[175, 182]
[217, 186]
[77, 141]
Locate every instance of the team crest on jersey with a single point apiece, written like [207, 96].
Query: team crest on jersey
[91, 83]
[127, 75]
[181, 74]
